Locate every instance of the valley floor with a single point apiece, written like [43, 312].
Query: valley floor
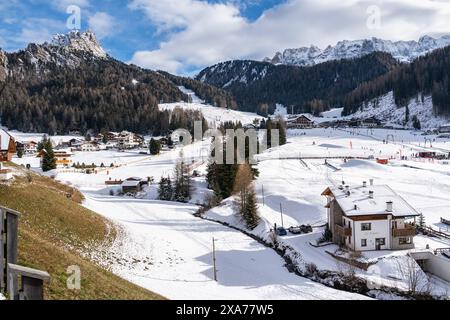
[166, 249]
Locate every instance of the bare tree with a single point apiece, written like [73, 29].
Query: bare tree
[416, 279]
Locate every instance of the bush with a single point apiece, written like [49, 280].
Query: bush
[327, 236]
[311, 269]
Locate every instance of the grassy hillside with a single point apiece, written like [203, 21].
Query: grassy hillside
[55, 231]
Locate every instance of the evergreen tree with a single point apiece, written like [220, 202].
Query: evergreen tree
[182, 181]
[20, 153]
[406, 115]
[165, 191]
[48, 157]
[422, 222]
[154, 147]
[250, 213]
[281, 126]
[416, 123]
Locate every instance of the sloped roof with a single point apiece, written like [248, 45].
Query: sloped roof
[130, 183]
[5, 137]
[358, 202]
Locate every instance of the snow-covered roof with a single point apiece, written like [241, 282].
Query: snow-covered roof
[130, 183]
[356, 201]
[4, 140]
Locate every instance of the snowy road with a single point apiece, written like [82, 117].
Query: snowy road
[168, 250]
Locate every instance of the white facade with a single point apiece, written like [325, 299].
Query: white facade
[369, 218]
[373, 239]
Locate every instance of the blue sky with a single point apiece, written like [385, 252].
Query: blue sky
[183, 36]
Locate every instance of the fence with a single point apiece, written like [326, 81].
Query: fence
[31, 280]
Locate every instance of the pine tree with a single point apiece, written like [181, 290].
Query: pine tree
[182, 184]
[154, 147]
[48, 157]
[422, 222]
[20, 153]
[281, 126]
[165, 191]
[416, 123]
[250, 213]
[406, 115]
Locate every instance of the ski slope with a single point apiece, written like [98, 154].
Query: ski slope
[213, 115]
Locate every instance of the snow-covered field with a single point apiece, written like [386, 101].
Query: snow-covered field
[298, 185]
[36, 137]
[166, 249]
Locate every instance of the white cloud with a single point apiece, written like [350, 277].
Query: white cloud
[102, 24]
[36, 30]
[64, 4]
[199, 33]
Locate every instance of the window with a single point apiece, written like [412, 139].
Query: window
[404, 241]
[366, 226]
[380, 241]
[363, 242]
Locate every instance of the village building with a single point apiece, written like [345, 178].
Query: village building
[29, 147]
[75, 144]
[63, 157]
[112, 136]
[300, 122]
[129, 140]
[131, 186]
[371, 217]
[89, 147]
[7, 146]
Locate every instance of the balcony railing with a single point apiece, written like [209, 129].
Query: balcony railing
[408, 231]
[343, 231]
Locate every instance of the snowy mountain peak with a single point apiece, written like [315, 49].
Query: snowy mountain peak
[81, 41]
[405, 51]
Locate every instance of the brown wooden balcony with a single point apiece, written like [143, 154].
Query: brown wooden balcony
[343, 231]
[408, 231]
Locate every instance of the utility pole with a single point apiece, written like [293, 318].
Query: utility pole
[214, 259]
[281, 211]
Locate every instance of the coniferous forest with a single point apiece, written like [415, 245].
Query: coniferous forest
[96, 94]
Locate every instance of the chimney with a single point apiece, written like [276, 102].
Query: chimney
[364, 184]
[371, 194]
[389, 206]
[371, 182]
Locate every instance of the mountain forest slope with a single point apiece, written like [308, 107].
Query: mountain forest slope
[259, 86]
[73, 84]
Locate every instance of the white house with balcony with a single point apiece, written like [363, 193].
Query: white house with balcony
[370, 217]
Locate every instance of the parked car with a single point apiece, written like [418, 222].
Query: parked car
[301, 229]
[295, 230]
[281, 231]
